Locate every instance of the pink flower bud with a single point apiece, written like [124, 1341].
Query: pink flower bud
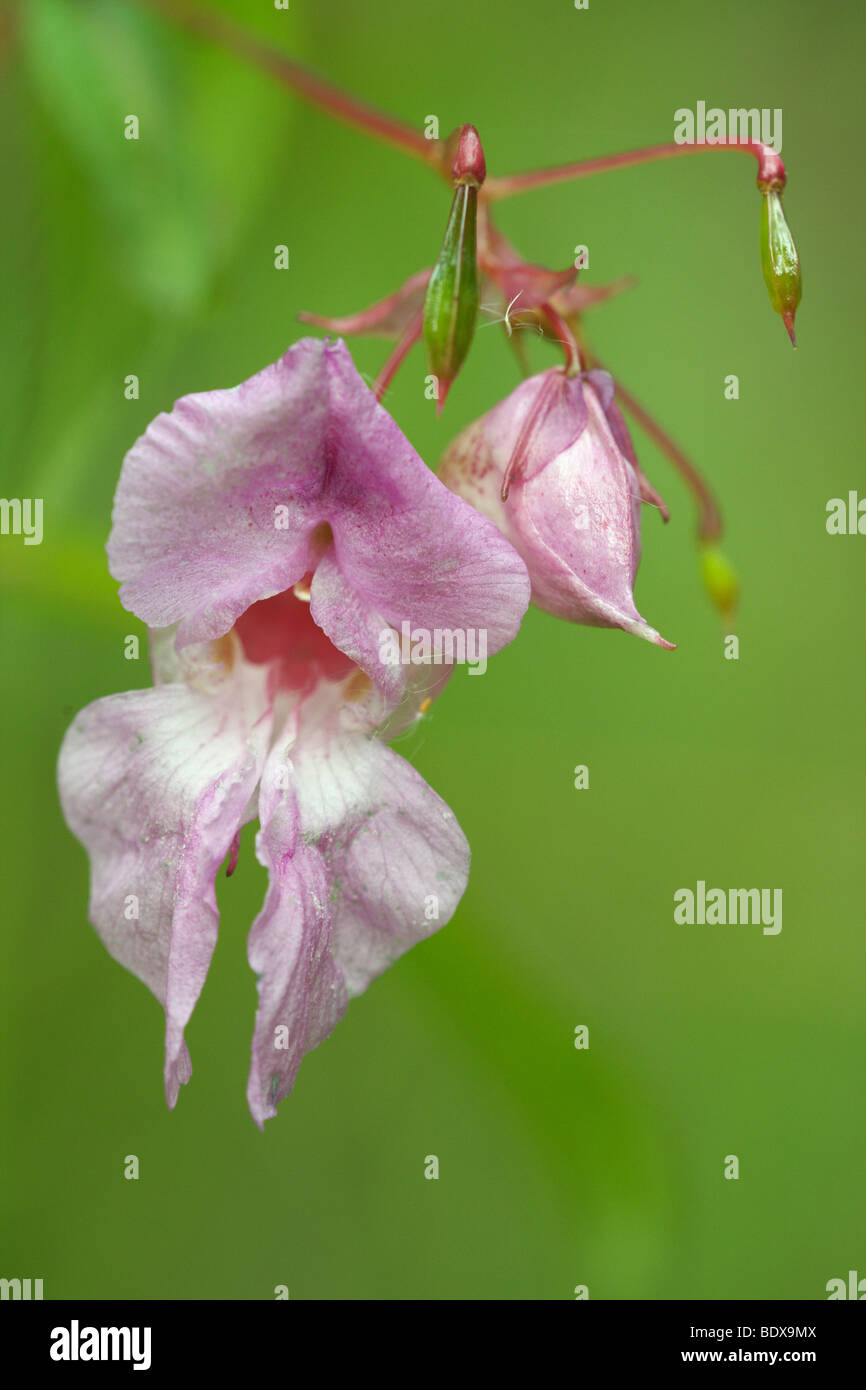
[468, 166]
[551, 466]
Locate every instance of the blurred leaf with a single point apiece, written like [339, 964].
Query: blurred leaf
[583, 1113]
[176, 196]
[70, 576]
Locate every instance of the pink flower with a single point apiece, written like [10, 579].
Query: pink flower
[267, 535]
[554, 467]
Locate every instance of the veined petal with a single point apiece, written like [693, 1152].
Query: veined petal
[354, 625]
[224, 501]
[197, 535]
[155, 783]
[573, 509]
[302, 996]
[394, 845]
[605, 389]
[364, 860]
[399, 539]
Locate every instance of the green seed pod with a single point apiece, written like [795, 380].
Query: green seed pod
[779, 259]
[451, 305]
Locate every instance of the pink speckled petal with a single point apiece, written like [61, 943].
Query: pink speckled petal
[364, 860]
[355, 626]
[155, 783]
[197, 535]
[195, 540]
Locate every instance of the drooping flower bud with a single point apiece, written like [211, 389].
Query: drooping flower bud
[451, 303]
[779, 258]
[720, 579]
[548, 466]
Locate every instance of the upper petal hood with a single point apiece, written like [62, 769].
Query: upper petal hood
[224, 501]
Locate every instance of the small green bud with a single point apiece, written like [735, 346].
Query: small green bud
[719, 579]
[451, 304]
[779, 259]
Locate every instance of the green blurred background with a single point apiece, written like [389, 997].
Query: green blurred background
[557, 1167]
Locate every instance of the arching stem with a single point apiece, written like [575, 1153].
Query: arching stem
[771, 170]
[407, 340]
[308, 84]
[710, 522]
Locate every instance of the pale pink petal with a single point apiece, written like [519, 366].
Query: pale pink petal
[198, 535]
[195, 539]
[302, 996]
[605, 387]
[573, 509]
[364, 860]
[155, 783]
[400, 542]
[354, 626]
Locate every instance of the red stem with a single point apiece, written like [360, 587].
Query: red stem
[307, 83]
[771, 170]
[710, 523]
[408, 338]
[564, 334]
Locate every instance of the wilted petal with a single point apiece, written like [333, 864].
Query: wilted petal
[525, 286]
[155, 783]
[365, 860]
[574, 299]
[534, 284]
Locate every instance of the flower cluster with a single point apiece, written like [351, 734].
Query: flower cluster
[284, 544]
